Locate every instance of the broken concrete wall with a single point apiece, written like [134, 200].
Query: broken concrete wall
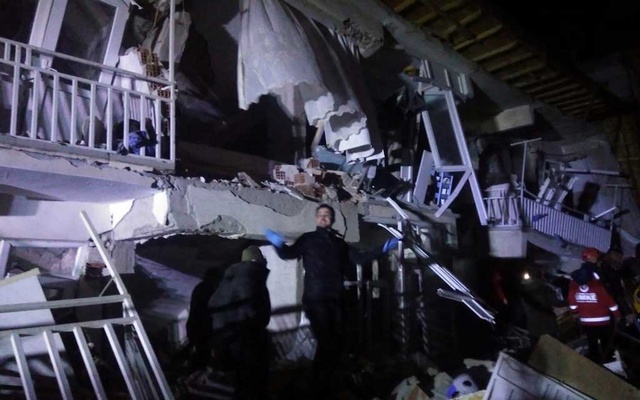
[63, 260]
[230, 211]
[59, 261]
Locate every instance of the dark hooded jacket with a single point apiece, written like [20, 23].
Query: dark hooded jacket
[241, 299]
[325, 258]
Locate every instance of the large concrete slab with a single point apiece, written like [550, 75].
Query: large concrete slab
[45, 176]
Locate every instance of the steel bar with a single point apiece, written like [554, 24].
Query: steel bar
[74, 111]
[15, 94]
[80, 302]
[122, 361]
[109, 119]
[55, 94]
[91, 142]
[35, 93]
[58, 368]
[23, 366]
[67, 327]
[40, 50]
[92, 371]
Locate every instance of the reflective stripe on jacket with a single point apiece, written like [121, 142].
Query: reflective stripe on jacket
[593, 303]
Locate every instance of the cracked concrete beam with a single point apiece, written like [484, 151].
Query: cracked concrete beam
[199, 208]
[53, 177]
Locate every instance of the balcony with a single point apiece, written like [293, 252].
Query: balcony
[90, 109]
[510, 213]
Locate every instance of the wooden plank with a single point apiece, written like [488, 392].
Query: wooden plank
[533, 80]
[596, 105]
[574, 103]
[483, 48]
[590, 108]
[572, 92]
[513, 57]
[421, 14]
[558, 89]
[518, 71]
[482, 29]
[443, 25]
[400, 6]
[551, 84]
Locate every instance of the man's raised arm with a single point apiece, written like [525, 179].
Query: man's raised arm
[284, 251]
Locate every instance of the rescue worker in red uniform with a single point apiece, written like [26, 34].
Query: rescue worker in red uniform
[594, 306]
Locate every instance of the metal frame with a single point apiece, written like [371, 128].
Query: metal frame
[48, 24]
[155, 384]
[33, 61]
[460, 291]
[43, 76]
[466, 167]
[432, 73]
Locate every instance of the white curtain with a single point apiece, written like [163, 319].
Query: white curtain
[284, 53]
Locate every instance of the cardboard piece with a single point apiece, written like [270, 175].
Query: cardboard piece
[563, 363]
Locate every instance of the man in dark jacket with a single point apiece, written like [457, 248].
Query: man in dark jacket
[241, 310]
[325, 258]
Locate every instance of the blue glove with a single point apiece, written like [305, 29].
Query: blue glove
[389, 245]
[275, 238]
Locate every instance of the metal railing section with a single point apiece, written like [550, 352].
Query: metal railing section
[459, 292]
[48, 105]
[503, 211]
[553, 222]
[139, 368]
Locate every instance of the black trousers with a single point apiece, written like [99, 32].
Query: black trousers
[327, 325]
[246, 352]
[202, 354]
[599, 339]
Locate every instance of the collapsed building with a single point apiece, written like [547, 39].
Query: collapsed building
[145, 142]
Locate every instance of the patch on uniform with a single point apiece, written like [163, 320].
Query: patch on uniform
[586, 298]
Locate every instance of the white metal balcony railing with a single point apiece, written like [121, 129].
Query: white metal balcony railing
[139, 368]
[134, 115]
[556, 223]
[506, 209]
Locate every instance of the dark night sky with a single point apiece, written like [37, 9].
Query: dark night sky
[578, 31]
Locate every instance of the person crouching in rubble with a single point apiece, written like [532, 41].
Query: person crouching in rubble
[594, 305]
[241, 310]
[326, 257]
